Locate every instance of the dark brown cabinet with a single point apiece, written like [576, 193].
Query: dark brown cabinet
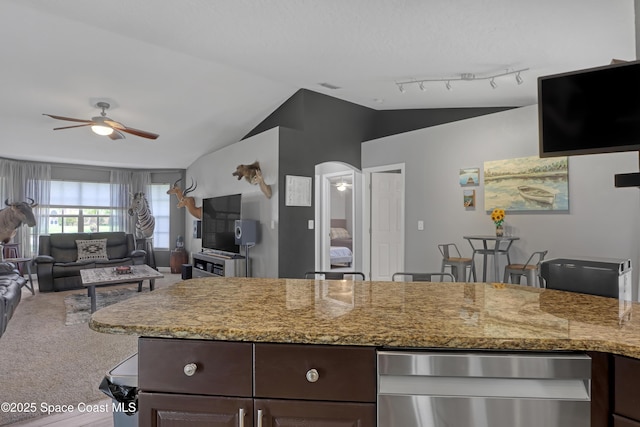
[176, 410]
[294, 413]
[626, 392]
[212, 383]
[619, 421]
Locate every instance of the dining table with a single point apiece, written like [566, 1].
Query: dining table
[490, 245]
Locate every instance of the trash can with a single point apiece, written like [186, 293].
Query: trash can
[121, 385]
[605, 277]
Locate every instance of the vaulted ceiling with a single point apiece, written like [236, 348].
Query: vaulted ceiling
[203, 73]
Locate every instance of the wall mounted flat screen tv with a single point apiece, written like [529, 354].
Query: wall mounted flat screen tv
[590, 111]
[218, 220]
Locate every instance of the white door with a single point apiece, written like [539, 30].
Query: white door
[387, 224]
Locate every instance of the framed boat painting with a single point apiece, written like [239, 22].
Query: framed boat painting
[469, 176]
[527, 184]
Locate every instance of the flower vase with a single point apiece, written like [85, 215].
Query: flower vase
[499, 231]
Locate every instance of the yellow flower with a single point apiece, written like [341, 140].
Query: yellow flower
[497, 216]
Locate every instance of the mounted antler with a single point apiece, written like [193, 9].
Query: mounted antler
[191, 188]
[183, 201]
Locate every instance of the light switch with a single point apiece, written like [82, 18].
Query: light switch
[310, 224]
[420, 225]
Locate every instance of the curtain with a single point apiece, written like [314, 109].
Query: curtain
[21, 181]
[123, 185]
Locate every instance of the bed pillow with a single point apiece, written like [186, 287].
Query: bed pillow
[92, 249]
[339, 233]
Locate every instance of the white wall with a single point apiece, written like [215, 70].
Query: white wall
[213, 173]
[603, 221]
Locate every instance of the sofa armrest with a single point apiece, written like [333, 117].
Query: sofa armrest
[138, 256]
[44, 259]
[44, 271]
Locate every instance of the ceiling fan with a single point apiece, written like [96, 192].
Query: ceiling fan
[342, 185]
[103, 125]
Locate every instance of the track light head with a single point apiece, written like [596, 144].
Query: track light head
[448, 85]
[421, 86]
[493, 84]
[401, 88]
[519, 79]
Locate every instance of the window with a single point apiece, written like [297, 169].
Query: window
[79, 220]
[85, 207]
[79, 207]
[160, 207]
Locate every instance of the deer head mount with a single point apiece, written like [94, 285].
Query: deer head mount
[253, 174]
[183, 200]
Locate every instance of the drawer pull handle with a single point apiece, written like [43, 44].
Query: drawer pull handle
[190, 369]
[312, 375]
[259, 423]
[241, 417]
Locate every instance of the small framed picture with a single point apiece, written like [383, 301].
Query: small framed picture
[469, 198]
[469, 177]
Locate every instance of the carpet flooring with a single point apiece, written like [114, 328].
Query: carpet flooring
[45, 362]
[78, 306]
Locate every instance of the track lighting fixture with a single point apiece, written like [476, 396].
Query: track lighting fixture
[464, 76]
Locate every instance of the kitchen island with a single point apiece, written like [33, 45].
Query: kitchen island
[310, 315]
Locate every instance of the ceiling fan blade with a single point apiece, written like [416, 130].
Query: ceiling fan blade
[68, 118]
[74, 126]
[116, 135]
[137, 132]
[141, 133]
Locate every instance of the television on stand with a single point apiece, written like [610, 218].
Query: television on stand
[218, 224]
[591, 111]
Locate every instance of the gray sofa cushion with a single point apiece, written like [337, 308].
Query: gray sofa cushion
[117, 245]
[63, 246]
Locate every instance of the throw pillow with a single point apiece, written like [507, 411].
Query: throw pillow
[339, 233]
[92, 249]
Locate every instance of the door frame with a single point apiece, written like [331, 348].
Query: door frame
[322, 214]
[366, 217]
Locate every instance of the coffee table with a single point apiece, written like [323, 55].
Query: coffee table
[94, 277]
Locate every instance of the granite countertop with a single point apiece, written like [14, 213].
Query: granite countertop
[394, 314]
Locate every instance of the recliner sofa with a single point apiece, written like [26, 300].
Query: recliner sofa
[57, 264]
[11, 283]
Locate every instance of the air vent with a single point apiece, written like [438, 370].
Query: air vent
[329, 86]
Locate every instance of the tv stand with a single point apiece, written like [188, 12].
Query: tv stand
[218, 265]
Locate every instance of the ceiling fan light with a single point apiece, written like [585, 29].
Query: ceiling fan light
[102, 130]
[341, 187]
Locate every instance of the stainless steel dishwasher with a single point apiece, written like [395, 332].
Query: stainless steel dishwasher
[483, 389]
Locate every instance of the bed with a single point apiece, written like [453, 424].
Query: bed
[341, 244]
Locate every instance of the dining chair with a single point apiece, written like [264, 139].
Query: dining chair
[421, 277]
[333, 275]
[452, 258]
[530, 270]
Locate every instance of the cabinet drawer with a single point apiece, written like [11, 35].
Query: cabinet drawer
[221, 368]
[343, 373]
[627, 387]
